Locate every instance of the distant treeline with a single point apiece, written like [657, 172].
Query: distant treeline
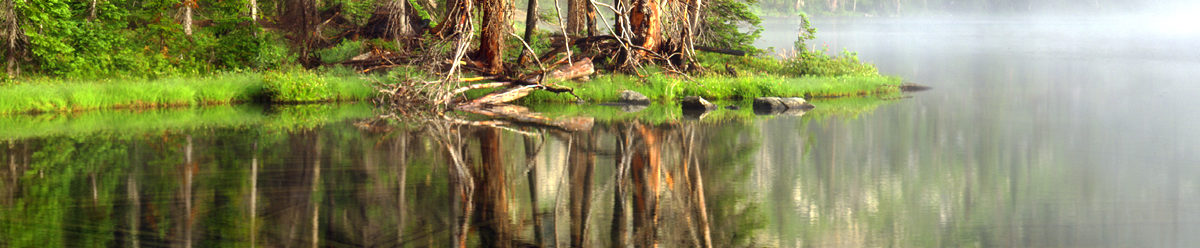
[904, 7]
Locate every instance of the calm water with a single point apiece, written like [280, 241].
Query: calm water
[1039, 132]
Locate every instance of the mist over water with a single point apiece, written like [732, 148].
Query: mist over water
[1090, 120]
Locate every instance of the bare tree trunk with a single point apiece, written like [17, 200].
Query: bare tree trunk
[300, 19]
[92, 11]
[398, 21]
[531, 22]
[833, 5]
[581, 18]
[254, 10]
[491, 38]
[644, 20]
[187, 16]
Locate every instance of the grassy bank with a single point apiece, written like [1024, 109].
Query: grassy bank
[288, 86]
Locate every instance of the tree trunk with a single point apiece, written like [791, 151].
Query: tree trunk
[491, 38]
[254, 10]
[398, 22]
[187, 16]
[581, 18]
[531, 22]
[300, 18]
[833, 5]
[92, 11]
[644, 21]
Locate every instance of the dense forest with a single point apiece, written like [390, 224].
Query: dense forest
[153, 38]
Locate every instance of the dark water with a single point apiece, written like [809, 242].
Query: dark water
[1039, 132]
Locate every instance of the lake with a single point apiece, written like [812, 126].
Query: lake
[1039, 132]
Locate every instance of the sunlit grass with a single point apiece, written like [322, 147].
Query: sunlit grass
[52, 95]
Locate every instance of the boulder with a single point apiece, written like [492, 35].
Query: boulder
[778, 105]
[632, 97]
[795, 103]
[768, 104]
[696, 103]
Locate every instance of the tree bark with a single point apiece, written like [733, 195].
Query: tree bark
[398, 23]
[300, 18]
[644, 22]
[187, 16]
[581, 18]
[491, 38]
[531, 22]
[254, 10]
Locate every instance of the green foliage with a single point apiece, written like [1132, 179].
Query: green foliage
[341, 52]
[807, 33]
[356, 11]
[820, 64]
[298, 85]
[723, 22]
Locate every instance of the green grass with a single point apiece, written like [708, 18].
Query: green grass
[128, 121]
[662, 88]
[53, 95]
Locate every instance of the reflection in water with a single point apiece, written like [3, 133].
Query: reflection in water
[624, 184]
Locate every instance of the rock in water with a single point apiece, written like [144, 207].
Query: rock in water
[796, 103]
[696, 103]
[768, 104]
[777, 105]
[632, 97]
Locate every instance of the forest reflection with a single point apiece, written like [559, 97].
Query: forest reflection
[433, 185]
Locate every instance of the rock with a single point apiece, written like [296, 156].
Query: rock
[795, 103]
[696, 103]
[632, 97]
[768, 105]
[777, 105]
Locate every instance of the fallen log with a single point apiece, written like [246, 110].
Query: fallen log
[577, 69]
[509, 95]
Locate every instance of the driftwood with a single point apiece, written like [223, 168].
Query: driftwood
[577, 69]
